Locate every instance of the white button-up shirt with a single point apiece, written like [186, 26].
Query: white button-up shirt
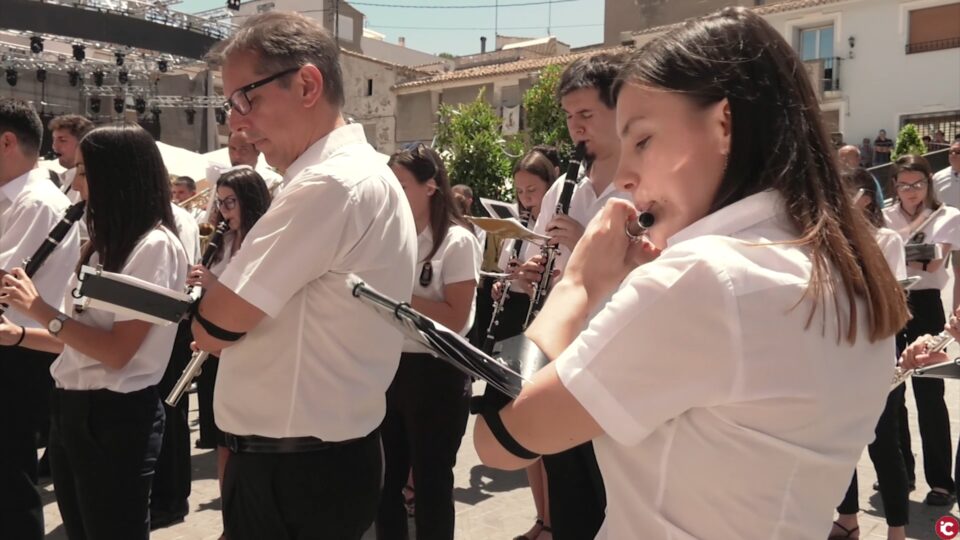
[30, 207]
[457, 259]
[947, 183]
[157, 258]
[583, 206]
[942, 229]
[320, 363]
[725, 417]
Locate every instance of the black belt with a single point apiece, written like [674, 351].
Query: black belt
[255, 444]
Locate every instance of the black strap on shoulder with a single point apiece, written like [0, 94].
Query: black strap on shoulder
[491, 404]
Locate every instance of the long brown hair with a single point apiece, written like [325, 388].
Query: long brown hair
[425, 164]
[778, 142]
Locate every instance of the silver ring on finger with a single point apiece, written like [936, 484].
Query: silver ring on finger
[633, 238]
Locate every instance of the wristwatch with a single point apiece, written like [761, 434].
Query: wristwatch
[56, 324]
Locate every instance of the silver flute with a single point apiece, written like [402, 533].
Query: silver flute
[935, 344]
[196, 361]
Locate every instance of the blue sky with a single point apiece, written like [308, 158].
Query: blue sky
[458, 31]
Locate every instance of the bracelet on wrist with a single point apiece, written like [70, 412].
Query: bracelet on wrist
[23, 334]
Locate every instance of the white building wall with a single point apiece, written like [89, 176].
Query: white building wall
[880, 84]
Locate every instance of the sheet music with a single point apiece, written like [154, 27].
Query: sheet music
[508, 228]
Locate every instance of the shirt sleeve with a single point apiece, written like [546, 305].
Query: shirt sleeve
[667, 342]
[548, 207]
[294, 243]
[159, 259]
[462, 258]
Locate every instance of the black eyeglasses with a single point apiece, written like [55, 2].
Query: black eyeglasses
[239, 100]
[229, 203]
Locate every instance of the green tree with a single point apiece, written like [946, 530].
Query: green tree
[468, 138]
[908, 142]
[546, 123]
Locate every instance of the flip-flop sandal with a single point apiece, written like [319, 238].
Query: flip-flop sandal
[847, 533]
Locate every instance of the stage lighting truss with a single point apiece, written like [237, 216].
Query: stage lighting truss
[157, 12]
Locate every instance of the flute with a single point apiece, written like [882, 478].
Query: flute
[57, 234]
[192, 370]
[491, 339]
[935, 344]
[549, 251]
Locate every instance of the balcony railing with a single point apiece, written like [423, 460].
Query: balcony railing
[935, 45]
[824, 73]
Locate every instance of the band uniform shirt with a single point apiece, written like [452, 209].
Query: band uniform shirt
[218, 267]
[584, 204]
[892, 247]
[158, 258]
[942, 229]
[320, 363]
[188, 231]
[724, 415]
[457, 259]
[30, 207]
[947, 183]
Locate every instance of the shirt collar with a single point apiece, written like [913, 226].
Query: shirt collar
[733, 218]
[319, 151]
[12, 189]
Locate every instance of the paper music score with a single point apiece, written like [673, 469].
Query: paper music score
[508, 228]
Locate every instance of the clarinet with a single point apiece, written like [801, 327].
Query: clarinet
[549, 252]
[57, 234]
[490, 340]
[192, 370]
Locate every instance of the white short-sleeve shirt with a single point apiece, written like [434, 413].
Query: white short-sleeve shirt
[892, 246]
[584, 204]
[947, 183]
[320, 363]
[942, 229]
[188, 231]
[725, 417]
[158, 258]
[30, 207]
[457, 259]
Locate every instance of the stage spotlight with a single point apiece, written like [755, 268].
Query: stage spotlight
[119, 56]
[140, 105]
[221, 116]
[41, 75]
[98, 78]
[162, 66]
[118, 105]
[12, 76]
[74, 77]
[233, 4]
[95, 105]
[79, 53]
[123, 77]
[36, 44]
[191, 115]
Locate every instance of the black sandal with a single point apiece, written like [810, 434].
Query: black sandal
[847, 533]
[538, 523]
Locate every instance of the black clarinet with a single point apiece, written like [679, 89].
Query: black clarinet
[549, 252]
[491, 339]
[57, 234]
[192, 370]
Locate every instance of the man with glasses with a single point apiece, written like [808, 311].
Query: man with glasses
[304, 366]
[947, 183]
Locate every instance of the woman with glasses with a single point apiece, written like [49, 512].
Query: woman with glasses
[921, 218]
[107, 420]
[428, 401]
[241, 198]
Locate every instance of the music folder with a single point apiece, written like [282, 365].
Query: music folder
[130, 297]
[442, 342]
[944, 370]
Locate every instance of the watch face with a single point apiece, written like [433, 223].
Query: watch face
[54, 326]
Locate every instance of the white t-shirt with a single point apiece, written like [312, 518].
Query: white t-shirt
[158, 258]
[724, 416]
[30, 207]
[947, 183]
[457, 259]
[584, 204]
[942, 229]
[320, 363]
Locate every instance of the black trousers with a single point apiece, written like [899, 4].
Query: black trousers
[427, 409]
[210, 434]
[934, 421]
[578, 501]
[24, 396]
[888, 461]
[171, 482]
[103, 451]
[330, 494]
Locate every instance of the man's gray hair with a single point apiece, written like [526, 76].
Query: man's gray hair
[283, 40]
